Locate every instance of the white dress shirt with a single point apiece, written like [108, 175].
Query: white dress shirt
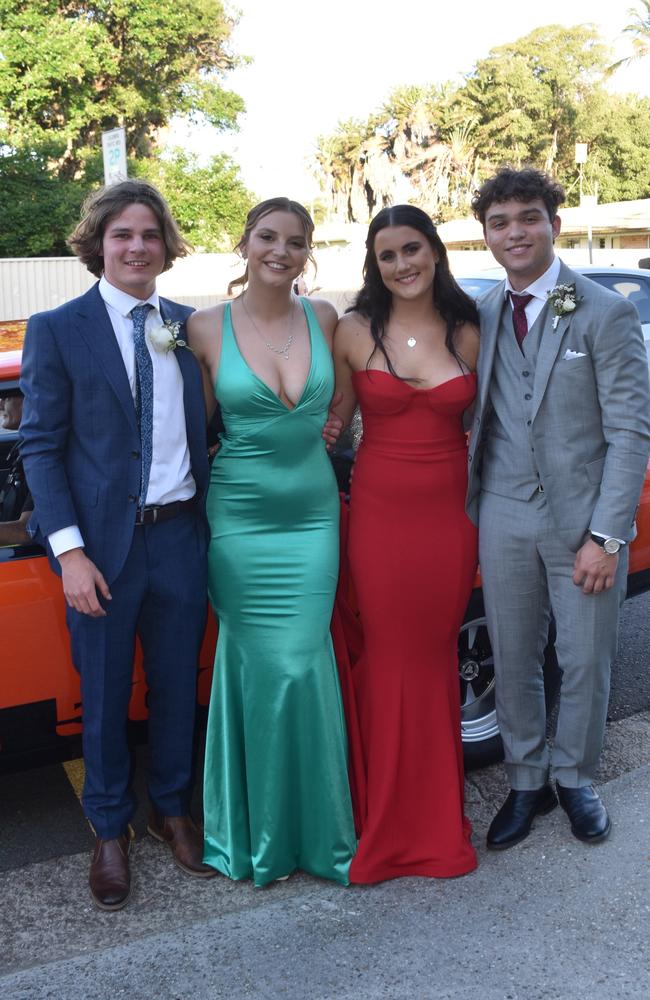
[539, 289]
[170, 478]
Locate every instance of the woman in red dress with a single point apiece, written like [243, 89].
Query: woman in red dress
[406, 352]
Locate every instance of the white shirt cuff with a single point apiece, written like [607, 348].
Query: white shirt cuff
[65, 539]
[601, 535]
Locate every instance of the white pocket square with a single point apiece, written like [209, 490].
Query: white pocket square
[570, 355]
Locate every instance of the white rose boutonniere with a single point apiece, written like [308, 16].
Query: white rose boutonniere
[166, 338]
[563, 301]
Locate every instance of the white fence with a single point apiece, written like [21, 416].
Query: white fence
[29, 285]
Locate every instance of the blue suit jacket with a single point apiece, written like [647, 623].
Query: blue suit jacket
[80, 438]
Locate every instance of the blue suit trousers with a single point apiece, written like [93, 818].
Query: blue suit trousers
[160, 596]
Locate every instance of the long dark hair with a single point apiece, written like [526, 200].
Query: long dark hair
[374, 301]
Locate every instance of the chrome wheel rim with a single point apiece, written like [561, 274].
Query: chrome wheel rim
[477, 687]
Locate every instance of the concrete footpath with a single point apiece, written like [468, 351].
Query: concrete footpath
[551, 919]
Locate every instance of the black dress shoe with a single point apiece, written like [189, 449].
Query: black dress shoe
[514, 819]
[588, 816]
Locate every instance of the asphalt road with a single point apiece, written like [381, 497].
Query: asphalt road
[553, 919]
[630, 687]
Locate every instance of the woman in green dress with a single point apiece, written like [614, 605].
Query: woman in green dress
[276, 793]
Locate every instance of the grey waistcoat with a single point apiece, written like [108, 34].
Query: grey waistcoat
[509, 466]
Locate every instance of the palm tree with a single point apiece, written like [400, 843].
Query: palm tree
[640, 29]
[416, 148]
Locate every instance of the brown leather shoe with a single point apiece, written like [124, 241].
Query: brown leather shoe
[185, 841]
[110, 879]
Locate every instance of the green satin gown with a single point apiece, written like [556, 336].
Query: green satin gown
[276, 792]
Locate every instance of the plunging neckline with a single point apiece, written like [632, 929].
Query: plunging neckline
[276, 397]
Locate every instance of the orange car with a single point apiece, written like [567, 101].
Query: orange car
[40, 705]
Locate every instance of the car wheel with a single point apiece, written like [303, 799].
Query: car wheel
[478, 718]
[482, 743]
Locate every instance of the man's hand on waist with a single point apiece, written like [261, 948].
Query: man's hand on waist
[81, 583]
[333, 425]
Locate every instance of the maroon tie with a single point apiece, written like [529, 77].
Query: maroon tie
[519, 321]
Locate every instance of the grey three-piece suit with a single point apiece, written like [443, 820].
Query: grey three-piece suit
[559, 446]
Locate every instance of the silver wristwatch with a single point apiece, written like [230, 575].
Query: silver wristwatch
[610, 545]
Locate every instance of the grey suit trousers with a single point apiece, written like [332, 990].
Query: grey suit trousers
[526, 571]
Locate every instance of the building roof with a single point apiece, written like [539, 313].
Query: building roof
[615, 216]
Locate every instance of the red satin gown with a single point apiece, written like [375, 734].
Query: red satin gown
[413, 556]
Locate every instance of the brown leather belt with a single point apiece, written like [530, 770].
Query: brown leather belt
[163, 512]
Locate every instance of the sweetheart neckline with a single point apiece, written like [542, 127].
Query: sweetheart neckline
[431, 388]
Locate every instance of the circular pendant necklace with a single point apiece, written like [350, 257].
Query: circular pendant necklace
[411, 342]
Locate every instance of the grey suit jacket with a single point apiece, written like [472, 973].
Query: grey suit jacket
[590, 413]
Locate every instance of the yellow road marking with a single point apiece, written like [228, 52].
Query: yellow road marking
[76, 774]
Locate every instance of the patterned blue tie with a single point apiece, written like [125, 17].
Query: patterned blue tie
[143, 395]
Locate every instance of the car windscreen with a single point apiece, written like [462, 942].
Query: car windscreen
[634, 288]
[476, 286]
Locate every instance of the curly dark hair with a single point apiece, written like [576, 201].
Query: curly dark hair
[265, 208]
[103, 205]
[374, 301]
[520, 185]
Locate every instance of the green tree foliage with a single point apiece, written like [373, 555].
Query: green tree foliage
[209, 202]
[337, 160]
[526, 97]
[639, 28]
[71, 69]
[617, 130]
[528, 102]
[37, 209]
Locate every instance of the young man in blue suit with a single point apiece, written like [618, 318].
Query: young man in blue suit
[115, 453]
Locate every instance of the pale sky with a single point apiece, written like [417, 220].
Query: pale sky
[318, 62]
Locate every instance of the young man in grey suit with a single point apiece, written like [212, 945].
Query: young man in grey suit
[114, 448]
[558, 453]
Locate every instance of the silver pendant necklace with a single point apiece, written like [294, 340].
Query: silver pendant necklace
[411, 341]
[282, 352]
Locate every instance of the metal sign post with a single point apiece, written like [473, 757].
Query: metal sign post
[114, 152]
[587, 201]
